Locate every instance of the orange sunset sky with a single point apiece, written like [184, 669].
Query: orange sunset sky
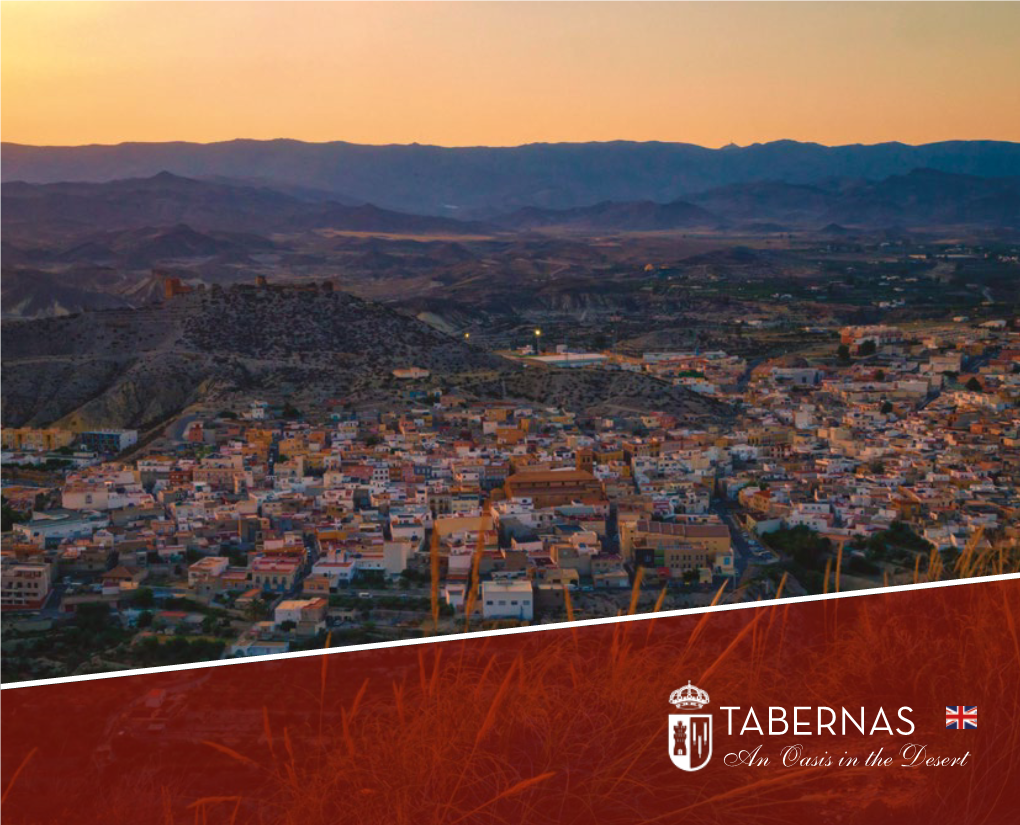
[503, 74]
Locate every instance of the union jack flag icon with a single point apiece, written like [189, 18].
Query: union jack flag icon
[961, 717]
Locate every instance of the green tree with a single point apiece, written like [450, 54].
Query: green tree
[93, 616]
[973, 385]
[11, 516]
[144, 597]
[805, 545]
[255, 610]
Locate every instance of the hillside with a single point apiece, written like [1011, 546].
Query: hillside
[927, 197]
[307, 345]
[29, 292]
[922, 198]
[602, 392]
[56, 212]
[133, 367]
[637, 216]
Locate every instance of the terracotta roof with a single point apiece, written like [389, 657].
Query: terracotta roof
[525, 477]
[696, 531]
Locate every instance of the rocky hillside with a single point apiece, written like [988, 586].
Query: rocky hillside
[306, 345]
[601, 392]
[137, 367]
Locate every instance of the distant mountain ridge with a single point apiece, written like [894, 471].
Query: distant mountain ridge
[921, 198]
[628, 216]
[168, 216]
[483, 181]
[73, 209]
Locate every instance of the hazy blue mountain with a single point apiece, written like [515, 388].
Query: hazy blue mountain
[72, 210]
[486, 181]
[921, 198]
[926, 197]
[629, 216]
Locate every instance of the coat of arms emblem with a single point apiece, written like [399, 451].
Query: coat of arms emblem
[690, 734]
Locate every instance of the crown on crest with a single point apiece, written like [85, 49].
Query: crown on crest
[689, 696]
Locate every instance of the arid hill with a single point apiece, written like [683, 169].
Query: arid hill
[307, 345]
[136, 367]
[55, 212]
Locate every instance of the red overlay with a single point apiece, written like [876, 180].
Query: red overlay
[565, 725]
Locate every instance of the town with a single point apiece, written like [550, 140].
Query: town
[875, 455]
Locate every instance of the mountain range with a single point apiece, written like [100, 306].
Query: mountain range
[161, 217]
[69, 247]
[70, 209]
[485, 181]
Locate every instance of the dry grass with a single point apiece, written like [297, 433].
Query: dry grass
[570, 727]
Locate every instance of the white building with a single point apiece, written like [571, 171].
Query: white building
[508, 599]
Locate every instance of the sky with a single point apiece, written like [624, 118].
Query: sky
[501, 74]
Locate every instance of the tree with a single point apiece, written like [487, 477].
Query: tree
[93, 616]
[868, 348]
[973, 385]
[843, 353]
[144, 619]
[144, 598]
[288, 625]
[805, 545]
[255, 610]
[887, 407]
[11, 516]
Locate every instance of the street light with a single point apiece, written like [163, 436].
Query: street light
[538, 341]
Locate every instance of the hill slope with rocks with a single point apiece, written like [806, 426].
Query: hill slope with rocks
[307, 345]
[136, 367]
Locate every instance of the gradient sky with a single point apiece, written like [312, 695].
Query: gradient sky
[502, 74]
